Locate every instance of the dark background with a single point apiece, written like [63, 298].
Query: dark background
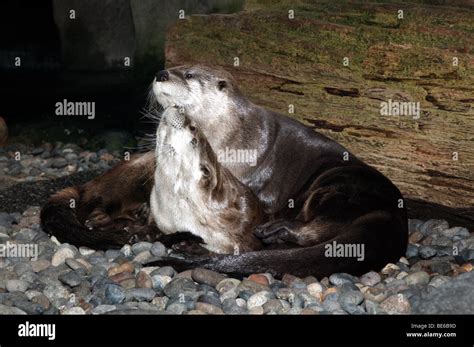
[65, 59]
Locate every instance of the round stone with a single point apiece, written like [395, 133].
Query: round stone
[427, 252]
[71, 278]
[208, 308]
[158, 249]
[208, 277]
[114, 294]
[396, 304]
[315, 289]
[74, 311]
[15, 285]
[370, 279]
[338, 279]
[61, 255]
[258, 299]
[140, 247]
[419, 277]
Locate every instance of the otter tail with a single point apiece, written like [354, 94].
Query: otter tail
[60, 218]
[379, 239]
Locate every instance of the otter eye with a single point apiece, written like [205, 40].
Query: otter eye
[205, 171]
[188, 75]
[192, 128]
[194, 141]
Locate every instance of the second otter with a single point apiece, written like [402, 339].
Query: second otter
[194, 193]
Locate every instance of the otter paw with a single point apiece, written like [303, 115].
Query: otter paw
[275, 232]
[97, 219]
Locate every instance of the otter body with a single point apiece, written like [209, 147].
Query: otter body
[313, 191]
[194, 193]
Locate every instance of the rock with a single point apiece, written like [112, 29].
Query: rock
[338, 279]
[287, 294]
[8, 310]
[58, 163]
[56, 294]
[427, 252]
[112, 254]
[372, 307]
[164, 271]
[205, 276]
[122, 276]
[160, 302]
[419, 277]
[84, 251]
[208, 308]
[158, 249]
[140, 294]
[258, 299]
[16, 286]
[63, 253]
[74, 264]
[160, 281]
[370, 279]
[227, 284]
[179, 286]
[74, 311]
[258, 310]
[390, 270]
[375, 294]
[210, 299]
[437, 281]
[185, 274]
[274, 306]
[29, 307]
[176, 308]
[101, 309]
[441, 267]
[144, 280]
[412, 251]
[87, 265]
[71, 278]
[349, 300]
[126, 250]
[251, 287]
[455, 231]
[142, 257]
[416, 237]
[114, 294]
[453, 297]
[433, 226]
[396, 304]
[260, 279]
[41, 300]
[315, 289]
[140, 247]
[125, 267]
[230, 306]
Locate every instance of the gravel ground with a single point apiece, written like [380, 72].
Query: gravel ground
[435, 276]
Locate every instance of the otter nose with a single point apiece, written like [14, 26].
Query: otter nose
[162, 76]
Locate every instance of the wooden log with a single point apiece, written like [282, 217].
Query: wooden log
[339, 65]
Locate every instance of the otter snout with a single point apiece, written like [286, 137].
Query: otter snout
[162, 76]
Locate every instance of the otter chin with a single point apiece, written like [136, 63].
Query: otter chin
[194, 193]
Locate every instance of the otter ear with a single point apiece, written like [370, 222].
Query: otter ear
[221, 84]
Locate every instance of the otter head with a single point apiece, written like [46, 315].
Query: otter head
[179, 141]
[207, 94]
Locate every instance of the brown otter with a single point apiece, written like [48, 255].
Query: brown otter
[315, 191]
[195, 193]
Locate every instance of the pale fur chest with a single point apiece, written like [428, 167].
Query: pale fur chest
[174, 209]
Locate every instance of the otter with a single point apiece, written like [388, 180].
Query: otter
[314, 191]
[195, 193]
